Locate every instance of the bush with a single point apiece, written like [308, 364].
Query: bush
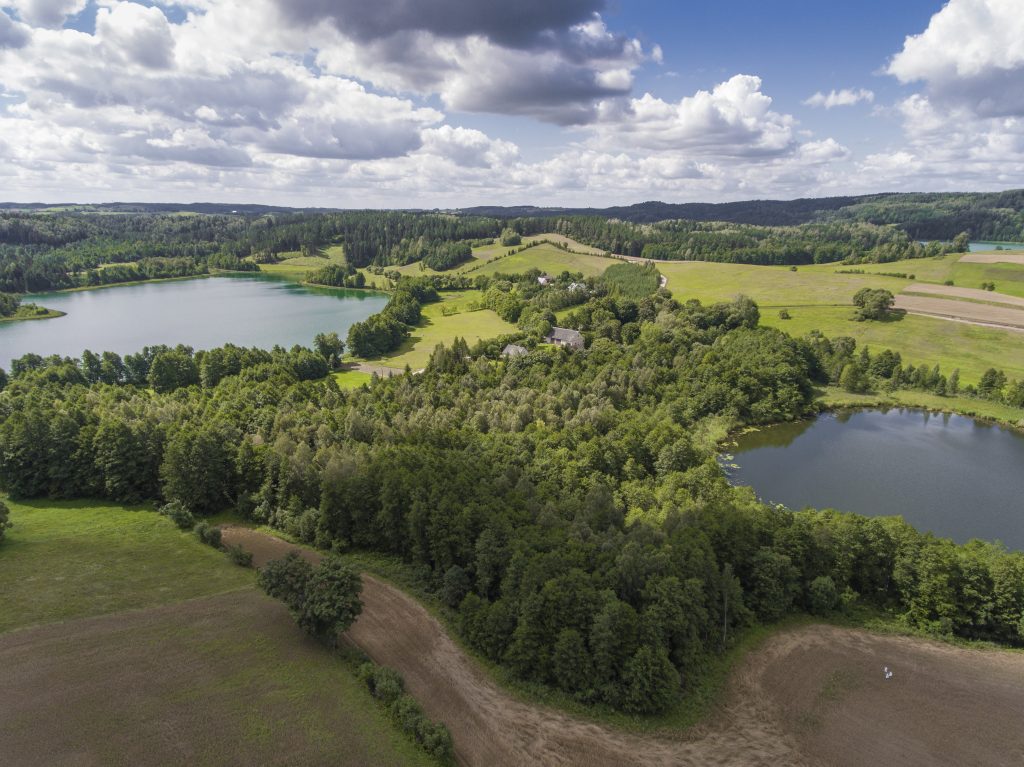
[240, 556]
[179, 515]
[822, 595]
[5, 521]
[209, 534]
[385, 684]
[784, 314]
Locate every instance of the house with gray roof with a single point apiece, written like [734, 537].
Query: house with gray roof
[514, 350]
[570, 339]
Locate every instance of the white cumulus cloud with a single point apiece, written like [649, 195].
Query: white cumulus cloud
[847, 97]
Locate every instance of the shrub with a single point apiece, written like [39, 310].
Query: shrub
[208, 534]
[784, 314]
[240, 556]
[385, 684]
[822, 595]
[179, 515]
[330, 600]
[5, 521]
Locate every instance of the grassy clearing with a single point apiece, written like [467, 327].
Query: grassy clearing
[455, 315]
[547, 258]
[64, 560]
[352, 379]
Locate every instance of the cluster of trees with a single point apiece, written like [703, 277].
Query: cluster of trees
[9, 303]
[565, 504]
[385, 331]
[337, 276]
[632, 280]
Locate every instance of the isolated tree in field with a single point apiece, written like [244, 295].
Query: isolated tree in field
[331, 601]
[330, 347]
[5, 520]
[872, 303]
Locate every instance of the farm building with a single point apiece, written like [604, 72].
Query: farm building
[514, 350]
[571, 339]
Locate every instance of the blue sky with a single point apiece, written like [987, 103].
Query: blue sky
[443, 103]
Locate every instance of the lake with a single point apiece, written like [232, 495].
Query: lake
[248, 310]
[952, 475]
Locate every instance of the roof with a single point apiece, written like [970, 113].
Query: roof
[566, 335]
[514, 350]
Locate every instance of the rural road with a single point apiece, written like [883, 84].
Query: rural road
[808, 696]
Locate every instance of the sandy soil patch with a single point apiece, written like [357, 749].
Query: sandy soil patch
[1005, 317]
[810, 696]
[998, 257]
[973, 294]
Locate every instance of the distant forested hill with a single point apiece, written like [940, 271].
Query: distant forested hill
[934, 216]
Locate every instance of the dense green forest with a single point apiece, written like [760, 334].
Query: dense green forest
[567, 506]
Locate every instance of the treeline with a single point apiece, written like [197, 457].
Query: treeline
[849, 242]
[385, 331]
[564, 504]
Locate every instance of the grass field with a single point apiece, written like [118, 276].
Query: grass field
[64, 560]
[352, 379]
[137, 645]
[919, 340]
[547, 258]
[437, 327]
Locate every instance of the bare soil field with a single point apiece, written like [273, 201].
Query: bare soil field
[810, 696]
[998, 257]
[222, 680]
[988, 315]
[973, 294]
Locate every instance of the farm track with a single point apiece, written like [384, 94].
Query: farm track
[784, 704]
[987, 315]
[993, 258]
[972, 294]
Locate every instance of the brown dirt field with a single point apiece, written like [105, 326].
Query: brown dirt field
[1004, 317]
[998, 257]
[222, 680]
[788, 703]
[990, 297]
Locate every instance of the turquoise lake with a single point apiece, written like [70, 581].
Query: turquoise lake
[248, 310]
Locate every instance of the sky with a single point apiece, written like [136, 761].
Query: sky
[453, 103]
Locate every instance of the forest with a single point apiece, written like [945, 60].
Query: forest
[566, 506]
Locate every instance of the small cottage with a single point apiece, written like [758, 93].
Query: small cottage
[571, 339]
[514, 350]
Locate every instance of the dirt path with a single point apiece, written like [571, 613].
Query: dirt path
[784, 705]
[1003, 317]
[988, 296]
[998, 257]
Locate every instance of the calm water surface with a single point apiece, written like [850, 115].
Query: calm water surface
[248, 310]
[952, 475]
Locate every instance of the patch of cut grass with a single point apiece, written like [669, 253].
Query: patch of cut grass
[352, 379]
[69, 559]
